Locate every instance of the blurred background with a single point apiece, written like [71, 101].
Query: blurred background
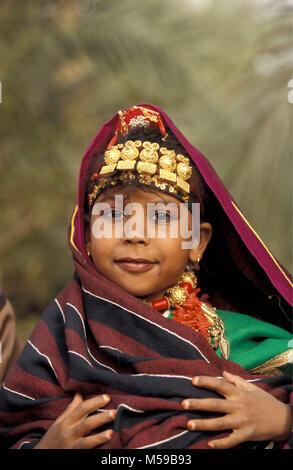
[221, 69]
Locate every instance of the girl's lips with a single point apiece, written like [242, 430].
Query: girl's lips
[135, 265]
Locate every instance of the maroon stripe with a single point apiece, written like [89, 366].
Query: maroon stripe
[23, 382]
[106, 336]
[45, 342]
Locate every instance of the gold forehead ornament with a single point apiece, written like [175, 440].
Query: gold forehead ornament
[154, 164]
[149, 158]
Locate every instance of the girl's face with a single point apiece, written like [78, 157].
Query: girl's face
[144, 263]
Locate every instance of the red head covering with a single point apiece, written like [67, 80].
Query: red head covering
[241, 274]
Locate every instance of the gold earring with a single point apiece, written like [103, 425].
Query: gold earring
[88, 252]
[196, 266]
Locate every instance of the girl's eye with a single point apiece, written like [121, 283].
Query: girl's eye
[113, 214]
[162, 216]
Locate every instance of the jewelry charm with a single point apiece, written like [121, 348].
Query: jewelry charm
[196, 266]
[217, 330]
[177, 295]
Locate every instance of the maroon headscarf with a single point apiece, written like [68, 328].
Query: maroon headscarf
[239, 272]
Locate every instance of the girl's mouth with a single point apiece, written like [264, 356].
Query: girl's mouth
[138, 265]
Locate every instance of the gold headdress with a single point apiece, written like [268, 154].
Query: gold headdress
[146, 162]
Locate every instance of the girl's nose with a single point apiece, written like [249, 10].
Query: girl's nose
[135, 230]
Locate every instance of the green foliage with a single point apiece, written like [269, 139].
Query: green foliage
[220, 69]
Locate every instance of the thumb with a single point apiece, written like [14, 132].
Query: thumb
[77, 400]
[238, 381]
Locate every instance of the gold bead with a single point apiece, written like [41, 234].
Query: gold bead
[183, 170]
[149, 155]
[129, 143]
[165, 151]
[155, 146]
[167, 162]
[112, 156]
[129, 153]
[182, 158]
[176, 295]
[147, 144]
[189, 277]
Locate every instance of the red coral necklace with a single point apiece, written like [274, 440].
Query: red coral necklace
[189, 310]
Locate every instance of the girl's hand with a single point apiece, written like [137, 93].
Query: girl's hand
[70, 430]
[248, 411]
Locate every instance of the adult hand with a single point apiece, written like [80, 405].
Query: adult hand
[250, 413]
[71, 428]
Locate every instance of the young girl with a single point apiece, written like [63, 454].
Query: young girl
[144, 338]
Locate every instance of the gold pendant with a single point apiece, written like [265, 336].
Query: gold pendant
[217, 330]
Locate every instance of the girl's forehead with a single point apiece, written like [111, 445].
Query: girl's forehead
[135, 194]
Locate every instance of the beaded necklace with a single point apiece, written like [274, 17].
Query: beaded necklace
[182, 304]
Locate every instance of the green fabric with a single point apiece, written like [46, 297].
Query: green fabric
[252, 341]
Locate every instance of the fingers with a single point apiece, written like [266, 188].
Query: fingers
[86, 407]
[225, 387]
[92, 422]
[238, 381]
[214, 424]
[223, 423]
[234, 439]
[77, 400]
[96, 440]
[241, 408]
[208, 404]
[87, 425]
[216, 384]
[70, 429]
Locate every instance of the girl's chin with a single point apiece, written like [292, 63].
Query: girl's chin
[144, 294]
